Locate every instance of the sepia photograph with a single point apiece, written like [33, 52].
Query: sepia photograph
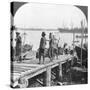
[48, 44]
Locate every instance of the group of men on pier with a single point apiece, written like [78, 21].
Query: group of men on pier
[53, 46]
[53, 49]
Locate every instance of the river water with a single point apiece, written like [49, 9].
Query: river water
[33, 38]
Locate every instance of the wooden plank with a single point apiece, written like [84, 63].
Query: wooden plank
[27, 68]
[39, 81]
[20, 69]
[16, 72]
[24, 64]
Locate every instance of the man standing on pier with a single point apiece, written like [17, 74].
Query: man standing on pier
[51, 49]
[42, 48]
[18, 46]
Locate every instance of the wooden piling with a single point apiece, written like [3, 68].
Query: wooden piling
[60, 72]
[48, 76]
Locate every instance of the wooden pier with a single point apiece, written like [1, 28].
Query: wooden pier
[25, 70]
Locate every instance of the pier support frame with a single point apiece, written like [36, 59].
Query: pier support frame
[47, 77]
[60, 74]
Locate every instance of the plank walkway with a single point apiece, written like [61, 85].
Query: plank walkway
[30, 68]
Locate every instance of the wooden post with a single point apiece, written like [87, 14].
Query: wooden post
[48, 76]
[60, 71]
[81, 47]
[82, 34]
[73, 47]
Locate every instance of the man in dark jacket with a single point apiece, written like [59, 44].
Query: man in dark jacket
[18, 46]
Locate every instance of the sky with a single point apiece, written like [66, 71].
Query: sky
[48, 16]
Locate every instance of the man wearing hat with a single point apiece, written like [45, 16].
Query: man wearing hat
[42, 47]
[18, 46]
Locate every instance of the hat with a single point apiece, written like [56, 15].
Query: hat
[17, 33]
[43, 34]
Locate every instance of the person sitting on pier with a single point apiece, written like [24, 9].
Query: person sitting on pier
[42, 48]
[65, 48]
